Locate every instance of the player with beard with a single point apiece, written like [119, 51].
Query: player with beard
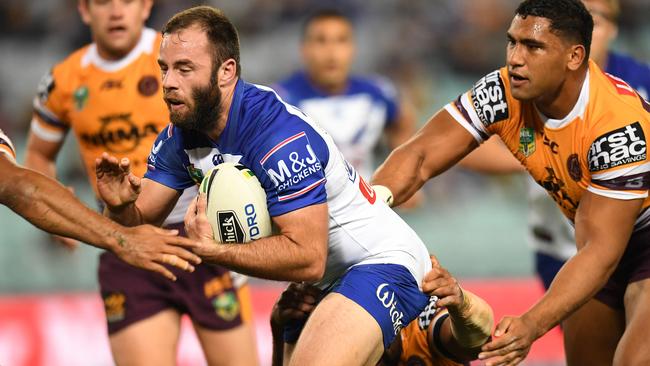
[332, 231]
[108, 93]
[581, 134]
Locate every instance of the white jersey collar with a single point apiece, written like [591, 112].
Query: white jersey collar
[144, 45]
[578, 109]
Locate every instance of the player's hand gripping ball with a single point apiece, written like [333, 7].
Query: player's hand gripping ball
[236, 204]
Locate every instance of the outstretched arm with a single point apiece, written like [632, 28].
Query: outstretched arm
[436, 147]
[603, 228]
[51, 207]
[470, 320]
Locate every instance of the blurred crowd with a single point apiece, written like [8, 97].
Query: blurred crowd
[432, 49]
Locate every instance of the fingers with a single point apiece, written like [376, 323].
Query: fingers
[136, 183]
[503, 326]
[155, 267]
[176, 261]
[434, 261]
[202, 204]
[185, 255]
[191, 212]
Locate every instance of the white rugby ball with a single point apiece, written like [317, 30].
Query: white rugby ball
[236, 204]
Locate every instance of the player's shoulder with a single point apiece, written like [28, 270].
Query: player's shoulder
[491, 98]
[374, 84]
[612, 98]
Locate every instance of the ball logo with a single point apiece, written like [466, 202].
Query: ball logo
[230, 229]
[251, 221]
[388, 300]
[293, 164]
[489, 99]
[622, 146]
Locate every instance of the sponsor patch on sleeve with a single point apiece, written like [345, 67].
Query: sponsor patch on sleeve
[489, 99]
[45, 86]
[293, 167]
[625, 145]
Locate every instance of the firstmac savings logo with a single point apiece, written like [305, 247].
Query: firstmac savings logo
[625, 145]
[230, 229]
[489, 99]
[389, 301]
[293, 167]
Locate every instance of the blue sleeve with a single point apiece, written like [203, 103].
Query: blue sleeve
[290, 165]
[165, 164]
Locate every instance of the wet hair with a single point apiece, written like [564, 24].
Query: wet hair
[569, 19]
[220, 31]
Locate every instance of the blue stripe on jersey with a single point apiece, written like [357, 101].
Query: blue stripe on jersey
[271, 138]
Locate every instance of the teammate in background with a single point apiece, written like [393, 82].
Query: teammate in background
[444, 334]
[109, 94]
[355, 110]
[51, 207]
[551, 235]
[582, 136]
[332, 230]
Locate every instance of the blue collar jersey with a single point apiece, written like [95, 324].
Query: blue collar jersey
[635, 73]
[355, 118]
[298, 165]
[262, 134]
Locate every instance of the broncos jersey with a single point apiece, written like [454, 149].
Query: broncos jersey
[355, 118]
[6, 147]
[112, 106]
[600, 146]
[298, 165]
[420, 343]
[550, 232]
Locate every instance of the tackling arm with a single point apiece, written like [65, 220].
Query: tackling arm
[603, 228]
[437, 146]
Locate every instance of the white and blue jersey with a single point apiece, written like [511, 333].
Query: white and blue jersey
[355, 118]
[298, 165]
[635, 73]
[374, 257]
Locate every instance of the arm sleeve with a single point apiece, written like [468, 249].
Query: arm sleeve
[481, 108]
[165, 163]
[290, 164]
[49, 110]
[6, 147]
[618, 160]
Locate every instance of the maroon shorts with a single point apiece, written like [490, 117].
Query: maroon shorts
[207, 295]
[634, 266]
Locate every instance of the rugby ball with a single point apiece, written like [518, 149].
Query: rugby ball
[236, 204]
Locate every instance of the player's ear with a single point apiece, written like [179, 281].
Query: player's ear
[146, 9]
[82, 6]
[576, 57]
[227, 71]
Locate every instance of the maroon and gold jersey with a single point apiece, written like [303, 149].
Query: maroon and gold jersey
[600, 146]
[113, 106]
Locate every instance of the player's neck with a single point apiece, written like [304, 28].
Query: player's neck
[227, 95]
[560, 103]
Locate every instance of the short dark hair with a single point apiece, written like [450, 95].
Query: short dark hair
[220, 31]
[569, 18]
[321, 14]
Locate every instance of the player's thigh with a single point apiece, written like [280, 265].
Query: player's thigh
[338, 324]
[634, 347]
[234, 346]
[592, 333]
[151, 341]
